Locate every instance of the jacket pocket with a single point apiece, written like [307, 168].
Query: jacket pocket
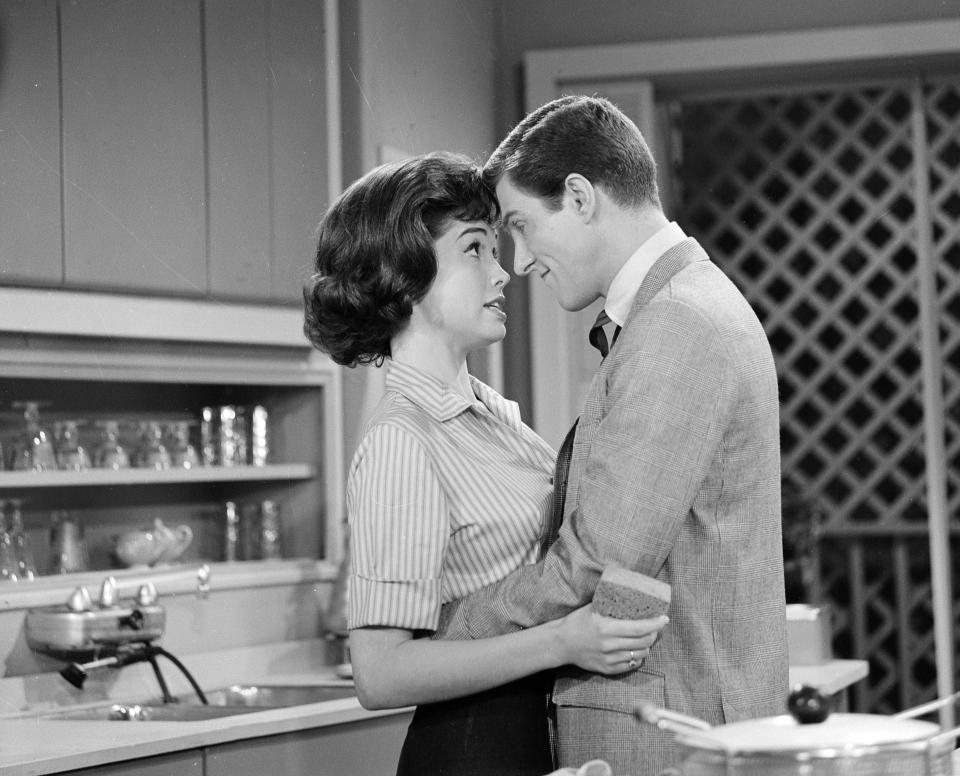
[622, 693]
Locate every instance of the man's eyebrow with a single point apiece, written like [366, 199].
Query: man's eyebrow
[505, 217]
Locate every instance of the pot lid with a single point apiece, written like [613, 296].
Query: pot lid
[785, 734]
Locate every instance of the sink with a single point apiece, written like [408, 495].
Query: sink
[273, 695]
[222, 702]
[150, 712]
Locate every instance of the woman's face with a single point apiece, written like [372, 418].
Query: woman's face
[465, 305]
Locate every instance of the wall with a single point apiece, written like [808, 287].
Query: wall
[417, 76]
[546, 24]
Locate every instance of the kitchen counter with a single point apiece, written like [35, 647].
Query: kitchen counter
[831, 677]
[31, 744]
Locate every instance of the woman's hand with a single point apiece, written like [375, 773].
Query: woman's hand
[606, 645]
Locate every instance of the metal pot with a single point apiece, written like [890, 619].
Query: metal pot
[812, 742]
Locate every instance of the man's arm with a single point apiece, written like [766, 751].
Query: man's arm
[661, 424]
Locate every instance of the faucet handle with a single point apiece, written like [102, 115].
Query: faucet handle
[79, 600]
[108, 593]
[203, 581]
[147, 594]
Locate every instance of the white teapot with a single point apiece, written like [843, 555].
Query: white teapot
[148, 547]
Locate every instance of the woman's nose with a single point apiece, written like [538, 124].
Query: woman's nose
[500, 277]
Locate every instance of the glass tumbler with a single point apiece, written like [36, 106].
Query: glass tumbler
[22, 549]
[110, 453]
[8, 557]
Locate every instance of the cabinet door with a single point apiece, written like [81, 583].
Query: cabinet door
[133, 156]
[299, 141]
[178, 764]
[370, 747]
[267, 144]
[238, 146]
[29, 144]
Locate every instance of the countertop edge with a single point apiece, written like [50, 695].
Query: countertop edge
[32, 744]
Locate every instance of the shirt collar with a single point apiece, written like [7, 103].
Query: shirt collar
[626, 283]
[443, 403]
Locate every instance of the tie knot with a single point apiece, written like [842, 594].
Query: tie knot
[598, 337]
[602, 320]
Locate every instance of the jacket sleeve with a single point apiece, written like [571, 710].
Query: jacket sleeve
[662, 412]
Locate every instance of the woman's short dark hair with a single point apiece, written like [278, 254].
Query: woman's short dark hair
[577, 134]
[375, 251]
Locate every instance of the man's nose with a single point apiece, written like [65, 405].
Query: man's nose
[522, 259]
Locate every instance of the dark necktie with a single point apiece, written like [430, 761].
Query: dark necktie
[598, 338]
[560, 474]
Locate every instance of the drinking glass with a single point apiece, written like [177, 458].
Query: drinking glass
[110, 453]
[152, 453]
[8, 557]
[71, 454]
[68, 548]
[22, 549]
[33, 451]
[183, 455]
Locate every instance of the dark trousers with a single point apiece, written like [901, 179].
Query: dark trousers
[500, 732]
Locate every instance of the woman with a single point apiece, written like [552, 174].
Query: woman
[448, 488]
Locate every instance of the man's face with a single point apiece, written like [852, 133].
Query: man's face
[554, 245]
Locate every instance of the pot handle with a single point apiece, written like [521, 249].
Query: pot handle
[917, 711]
[944, 737]
[669, 720]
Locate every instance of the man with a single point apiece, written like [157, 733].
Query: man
[675, 466]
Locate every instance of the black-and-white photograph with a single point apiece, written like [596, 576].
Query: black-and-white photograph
[479, 388]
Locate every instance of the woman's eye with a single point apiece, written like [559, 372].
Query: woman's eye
[474, 248]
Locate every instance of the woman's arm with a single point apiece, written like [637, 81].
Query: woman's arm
[392, 668]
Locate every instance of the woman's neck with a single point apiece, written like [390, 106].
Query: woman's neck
[432, 357]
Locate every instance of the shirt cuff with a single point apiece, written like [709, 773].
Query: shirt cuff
[413, 604]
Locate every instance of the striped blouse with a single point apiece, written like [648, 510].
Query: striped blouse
[444, 496]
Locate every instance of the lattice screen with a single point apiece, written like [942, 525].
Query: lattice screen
[943, 133]
[807, 201]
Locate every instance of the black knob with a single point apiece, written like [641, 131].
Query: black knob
[134, 620]
[808, 705]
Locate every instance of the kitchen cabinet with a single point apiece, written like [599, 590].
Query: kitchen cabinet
[369, 747]
[210, 356]
[133, 194]
[179, 764]
[176, 148]
[30, 147]
[267, 144]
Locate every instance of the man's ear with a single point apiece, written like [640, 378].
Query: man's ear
[581, 195]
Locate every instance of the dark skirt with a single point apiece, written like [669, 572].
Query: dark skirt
[500, 732]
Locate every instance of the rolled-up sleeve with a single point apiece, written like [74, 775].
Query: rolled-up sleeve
[399, 529]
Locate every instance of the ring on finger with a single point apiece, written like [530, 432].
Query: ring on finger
[632, 663]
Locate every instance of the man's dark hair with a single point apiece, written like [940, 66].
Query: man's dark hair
[576, 134]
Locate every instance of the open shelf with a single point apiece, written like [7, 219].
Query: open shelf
[99, 477]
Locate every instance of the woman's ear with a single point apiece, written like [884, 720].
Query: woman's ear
[580, 195]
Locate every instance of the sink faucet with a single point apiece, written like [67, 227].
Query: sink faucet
[121, 632]
[76, 673]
